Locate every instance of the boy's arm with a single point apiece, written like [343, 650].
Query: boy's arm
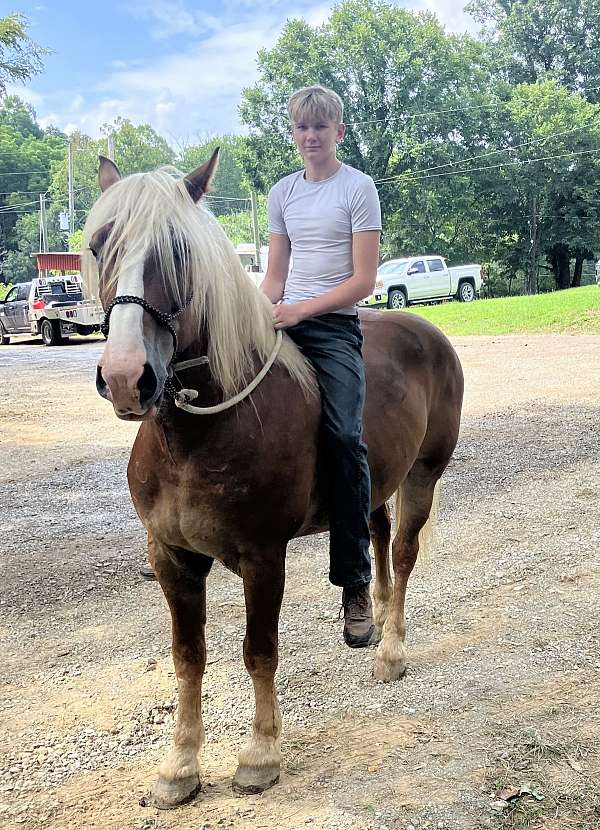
[365, 257]
[278, 266]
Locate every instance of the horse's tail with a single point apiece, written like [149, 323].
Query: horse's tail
[427, 532]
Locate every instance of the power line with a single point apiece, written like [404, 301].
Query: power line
[24, 173]
[522, 162]
[484, 155]
[6, 208]
[453, 109]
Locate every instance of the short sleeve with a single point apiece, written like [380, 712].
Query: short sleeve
[275, 212]
[365, 210]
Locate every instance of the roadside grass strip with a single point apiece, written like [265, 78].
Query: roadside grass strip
[573, 311]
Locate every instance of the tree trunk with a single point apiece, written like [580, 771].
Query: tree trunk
[560, 265]
[576, 282]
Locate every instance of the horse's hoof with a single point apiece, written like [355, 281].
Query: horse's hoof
[387, 672]
[253, 780]
[170, 794]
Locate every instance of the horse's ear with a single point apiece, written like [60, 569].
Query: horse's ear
[199, 181]
[108, 173]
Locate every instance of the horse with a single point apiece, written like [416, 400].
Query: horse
[234, 476]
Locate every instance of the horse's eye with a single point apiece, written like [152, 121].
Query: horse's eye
[94, 253]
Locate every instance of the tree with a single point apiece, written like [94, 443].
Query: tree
[20, 57]
[405, 84]
[542, 196]
[539, 39]
[137, 149]
[230, 183]
[238, 225]
[19, 264]
[27, 157]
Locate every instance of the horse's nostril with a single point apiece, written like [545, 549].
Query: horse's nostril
[147, 384]
[100, 382]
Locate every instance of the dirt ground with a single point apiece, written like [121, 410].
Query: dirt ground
[497, 722]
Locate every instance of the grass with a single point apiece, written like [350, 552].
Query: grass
[574, 311]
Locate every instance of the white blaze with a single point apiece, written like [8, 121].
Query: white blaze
[126, 320]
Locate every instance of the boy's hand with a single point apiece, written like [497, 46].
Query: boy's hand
[286, 315]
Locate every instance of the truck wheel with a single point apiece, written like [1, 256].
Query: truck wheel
[397, 299]
[466, 292]
[50, 331]
[4, 338]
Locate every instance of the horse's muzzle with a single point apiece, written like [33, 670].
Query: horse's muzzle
[132, 395]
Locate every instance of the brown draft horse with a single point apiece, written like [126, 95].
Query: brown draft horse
[236, 485]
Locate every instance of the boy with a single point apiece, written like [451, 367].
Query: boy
[328, 219]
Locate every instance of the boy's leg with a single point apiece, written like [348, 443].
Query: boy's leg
[333, 344]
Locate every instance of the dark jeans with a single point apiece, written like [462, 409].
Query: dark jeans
[333, 344]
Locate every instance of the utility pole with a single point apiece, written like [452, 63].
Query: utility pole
[71, 199]
[111, 147]
[255, 228]
[533, 234]
[43, 224]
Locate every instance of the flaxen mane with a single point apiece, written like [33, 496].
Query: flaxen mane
[153, 213]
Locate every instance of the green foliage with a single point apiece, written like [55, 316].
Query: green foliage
[238, 226]
[540, 39]
[427, 109]
[230, 181]
[4, 289]
[20, 57]
[137, 149]
[467, 139]
[28, 155]
[75, 240]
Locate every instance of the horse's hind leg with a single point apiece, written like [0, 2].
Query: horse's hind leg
[380, 526]
[260, 760]
[417, 498]
[182, 577]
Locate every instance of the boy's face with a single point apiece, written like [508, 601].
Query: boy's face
[316, 138]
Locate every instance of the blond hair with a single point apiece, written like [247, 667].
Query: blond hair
[315, 102]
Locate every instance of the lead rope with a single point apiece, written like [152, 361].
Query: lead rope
[183, 397]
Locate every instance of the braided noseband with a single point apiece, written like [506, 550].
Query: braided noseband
[161, 317]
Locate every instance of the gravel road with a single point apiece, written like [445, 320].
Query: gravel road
[497, 723]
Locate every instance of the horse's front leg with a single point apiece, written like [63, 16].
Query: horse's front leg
[260, 760]
[182, 577]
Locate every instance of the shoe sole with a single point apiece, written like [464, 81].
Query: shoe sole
[362, 642]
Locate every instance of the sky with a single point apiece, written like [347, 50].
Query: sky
[179, 65]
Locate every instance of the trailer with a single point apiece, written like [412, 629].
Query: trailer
[52, 306]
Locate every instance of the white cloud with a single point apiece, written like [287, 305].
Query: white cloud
[171, 17]
[25, 94]
[196, 90]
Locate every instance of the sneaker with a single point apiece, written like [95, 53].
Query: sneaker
[147, 572]
[359, 630]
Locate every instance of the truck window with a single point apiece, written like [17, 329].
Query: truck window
[23, 291]
[12, 294]
[417, 267]
[435, 264]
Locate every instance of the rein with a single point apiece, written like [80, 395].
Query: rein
[182, 397]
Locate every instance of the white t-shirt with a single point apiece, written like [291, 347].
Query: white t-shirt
[319, 218]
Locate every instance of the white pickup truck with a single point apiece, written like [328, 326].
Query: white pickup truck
[422, 279]
[52, 307]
